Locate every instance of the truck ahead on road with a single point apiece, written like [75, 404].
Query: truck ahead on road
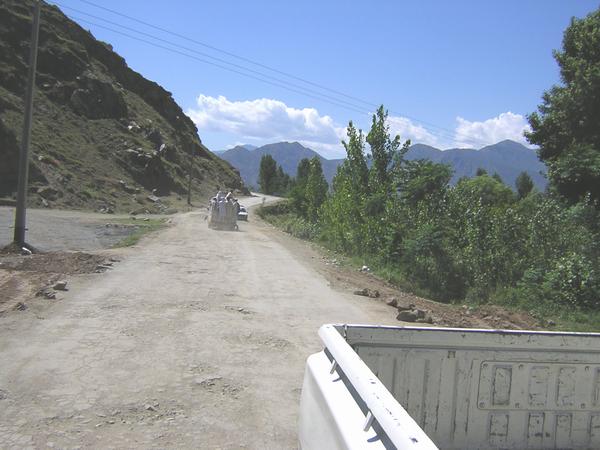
[377, 387]
[223, 212]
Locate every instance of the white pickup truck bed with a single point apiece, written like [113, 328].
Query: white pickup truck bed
[453, 389]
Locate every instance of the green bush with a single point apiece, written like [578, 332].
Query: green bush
[428, 262]
[281, 216]
[574, 281]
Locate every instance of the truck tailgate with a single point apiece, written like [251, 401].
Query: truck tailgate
[486, 389]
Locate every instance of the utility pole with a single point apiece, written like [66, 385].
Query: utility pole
[20, 211]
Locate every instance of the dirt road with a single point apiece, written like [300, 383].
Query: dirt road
[58, 230]
[196, 339]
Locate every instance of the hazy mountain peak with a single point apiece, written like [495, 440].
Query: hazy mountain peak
[506, 144]
[507, 158]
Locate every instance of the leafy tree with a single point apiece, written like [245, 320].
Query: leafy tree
[298, 189]
[267, 175]
[485, 190]
[271, 177]
[497, 177]
[310, 189]
[480, 172]
[355, 166]
[423, 178]
[387, 155]
[429, 260]
[303, 171]
[316, 189]
[354, 212]
[567, 124]
[480, 233]
[342, 216]
[282, 182]
[343, 213]
[524, 185]
[383, 151]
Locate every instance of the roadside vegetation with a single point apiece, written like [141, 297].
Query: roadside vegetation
[478, 241]
[272, 180]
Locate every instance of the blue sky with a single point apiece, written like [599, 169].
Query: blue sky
[452, 73]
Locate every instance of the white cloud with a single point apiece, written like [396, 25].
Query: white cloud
[479, 134]
[266, 120]
[409, 130]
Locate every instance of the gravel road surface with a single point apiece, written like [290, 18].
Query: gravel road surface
[55, 230]
[196, 339]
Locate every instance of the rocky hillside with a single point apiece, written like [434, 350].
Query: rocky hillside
[104, 137]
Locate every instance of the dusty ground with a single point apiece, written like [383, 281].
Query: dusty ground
[195, 339]
[56, 230]
[64, 240]
[24, 279]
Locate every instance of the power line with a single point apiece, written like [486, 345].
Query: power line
[312, 94]
[452, 133]
[220, 66]
[233, 55]
[206, 55]
[443, 133]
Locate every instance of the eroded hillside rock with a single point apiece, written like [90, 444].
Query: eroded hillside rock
[97, 99]
[96, 123]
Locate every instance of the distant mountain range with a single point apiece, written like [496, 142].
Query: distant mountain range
[287, 155]
[507, 158]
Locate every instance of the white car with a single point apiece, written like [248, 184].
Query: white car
[242, 214]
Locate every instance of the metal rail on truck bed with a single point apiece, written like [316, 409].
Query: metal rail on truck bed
[408, 387]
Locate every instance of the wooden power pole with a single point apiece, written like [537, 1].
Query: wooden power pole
[20, 211]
